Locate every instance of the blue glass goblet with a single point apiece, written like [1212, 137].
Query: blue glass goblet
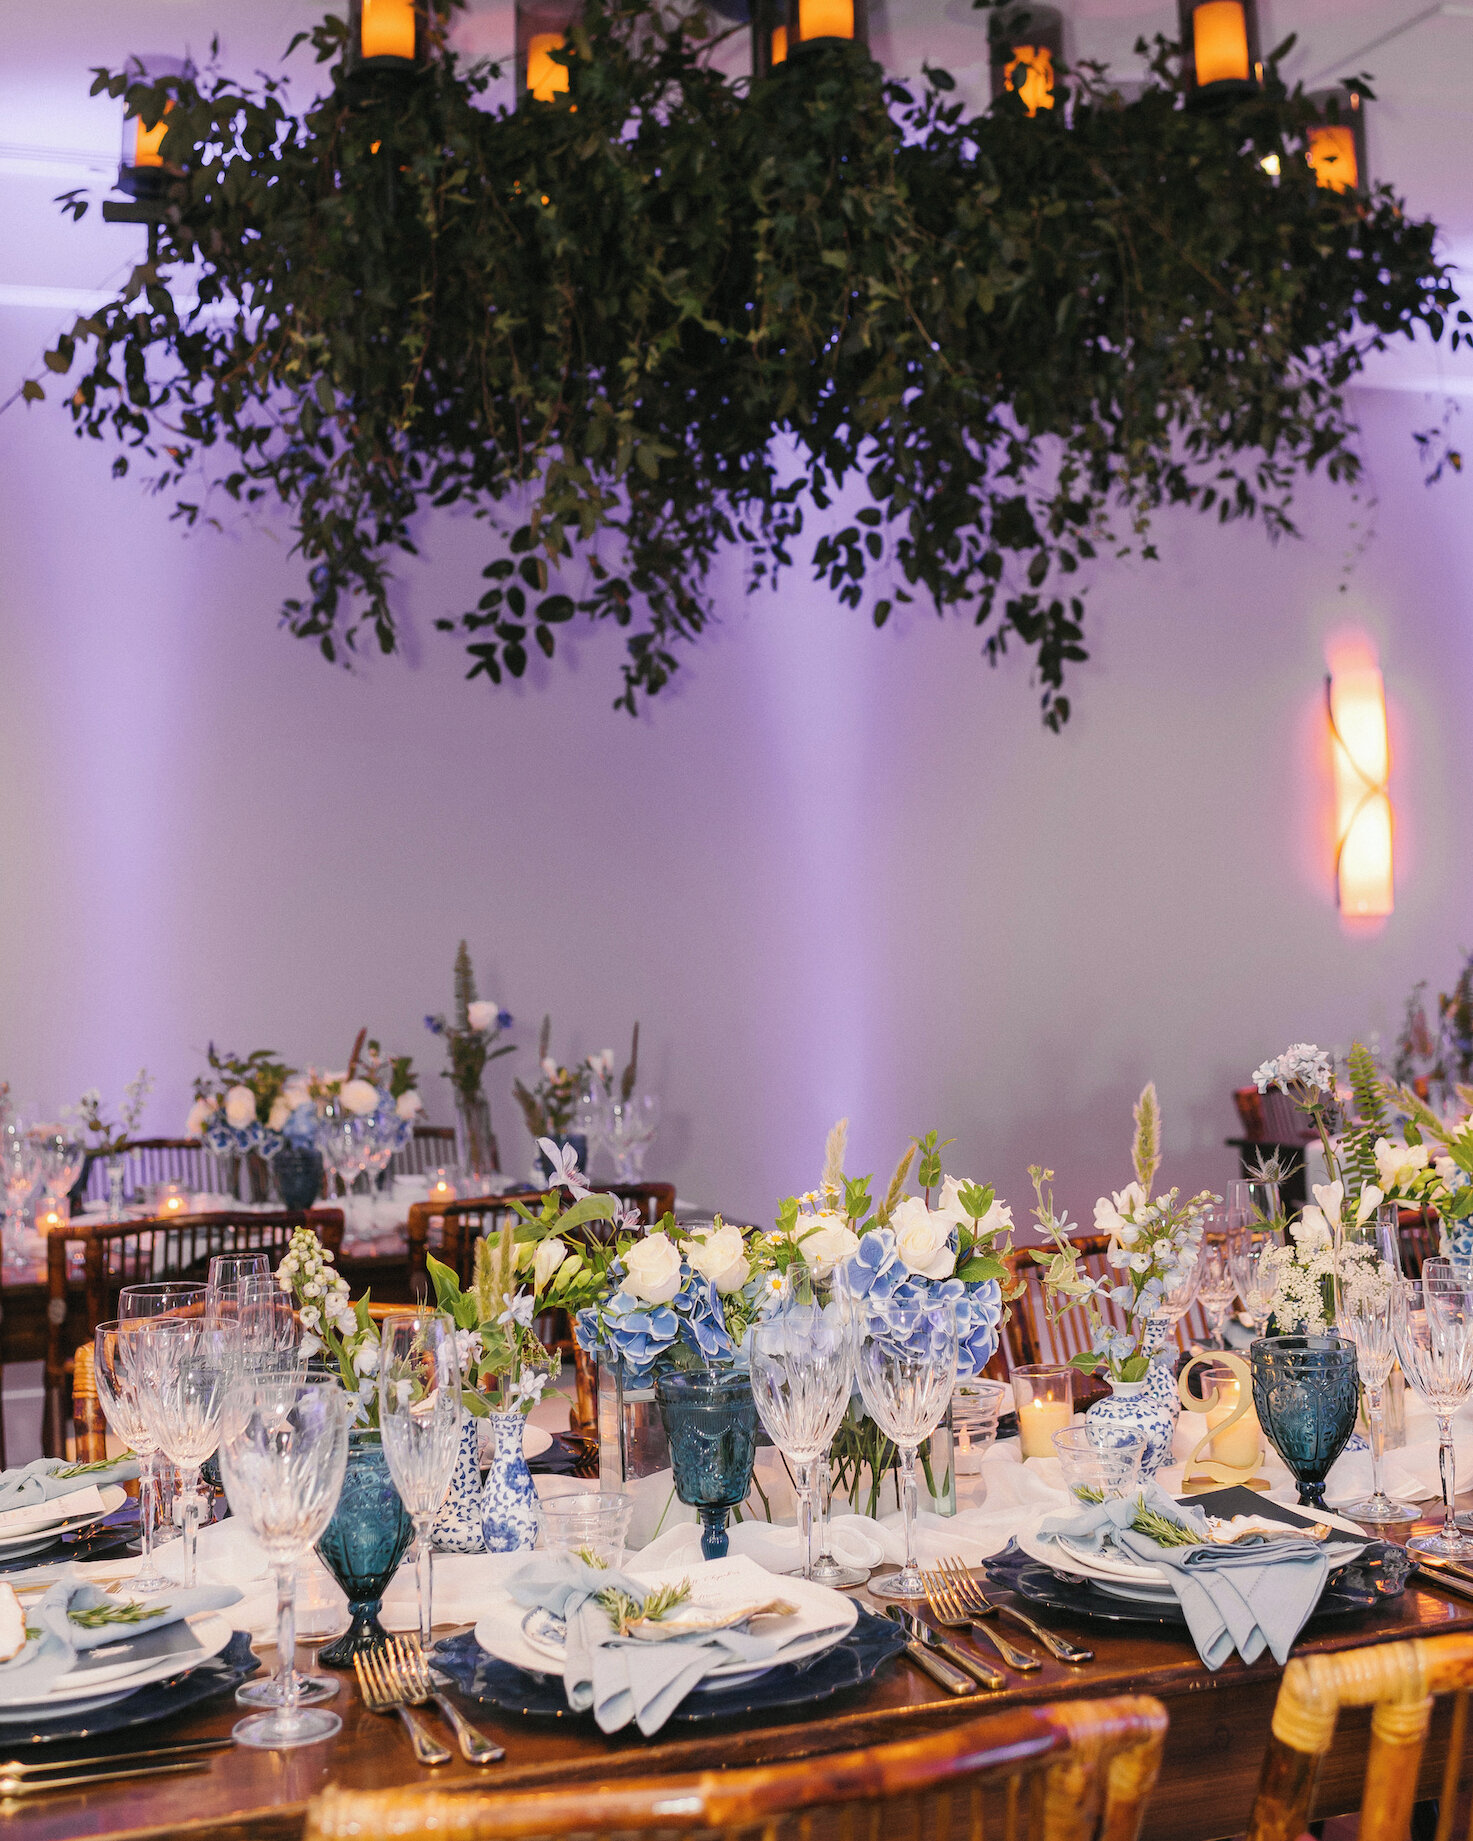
[1306, 1394]
[711, 1421]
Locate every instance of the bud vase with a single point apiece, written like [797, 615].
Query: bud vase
[1161, 1377]
[477, 1148]
[1132, 1406]
[457, 1528]
[508, 1496]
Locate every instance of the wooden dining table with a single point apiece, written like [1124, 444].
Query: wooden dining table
[1219, 1728]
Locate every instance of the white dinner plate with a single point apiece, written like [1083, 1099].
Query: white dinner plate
[499, 1628]
[99, 1687]
[535, 1440]
[28, 1539]
[1102, 1568]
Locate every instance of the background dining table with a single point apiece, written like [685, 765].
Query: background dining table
[1219, 1729]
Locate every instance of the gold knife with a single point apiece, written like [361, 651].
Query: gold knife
[1450, 1582]
[35, 1786]
[942, 1672]
[186, 1748]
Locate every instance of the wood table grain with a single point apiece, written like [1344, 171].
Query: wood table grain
[1219, 1727]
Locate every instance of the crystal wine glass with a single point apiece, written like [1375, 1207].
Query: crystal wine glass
[825, 1286]
[1363, 1299]
[1432, 1326]
[283, 1475]
[419, 1414]
[1218, 1287]
[183, 1384]
[62, 1155]
[802, 1367]
[20, 1167]
[1249, 1256]
[905, 1363]
[162, 1298]
[1257, 1201]
[117, 1394]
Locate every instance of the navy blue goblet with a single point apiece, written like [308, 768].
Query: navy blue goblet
[710, 1420]
[1306, 1394]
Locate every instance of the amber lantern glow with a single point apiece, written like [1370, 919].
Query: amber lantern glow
[1027, 51]
[545, 76]
[387, 29]
[1336, 149]
[542, 27]
[1361, 764]
[1221, 38]
[141, 170]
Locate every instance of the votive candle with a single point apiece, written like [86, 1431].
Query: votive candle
[1241, 1444]
[1044, 1397]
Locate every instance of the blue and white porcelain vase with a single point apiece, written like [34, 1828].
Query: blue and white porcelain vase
[508, 1496]
[1161, 1378]
[457, 1528]
[1132, 1407]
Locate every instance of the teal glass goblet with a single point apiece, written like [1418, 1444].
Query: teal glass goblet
[710, 1420]
[1306, 1393]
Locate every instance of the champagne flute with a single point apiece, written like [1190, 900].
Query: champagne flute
[1432, 1325]
[164, 1297]
[420, 1411]
[1363, 1313]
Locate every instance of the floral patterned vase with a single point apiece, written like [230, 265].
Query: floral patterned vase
[362, 1545]
[457, 1528]
[1133, 1407]
[1161, 1380]
[508, 1496]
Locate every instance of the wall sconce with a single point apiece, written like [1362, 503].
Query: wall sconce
[141, 169]
[781, 27]
[1221, 40]
[1027, 51]
[1337, 145]
[542, 28]
[1355, 696]
[388, 34]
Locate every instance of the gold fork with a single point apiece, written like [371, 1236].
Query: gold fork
[411, 1673]
[380, 1696]
[946, 1609]
[975, 1600]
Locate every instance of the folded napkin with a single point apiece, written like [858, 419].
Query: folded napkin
[1246, 1598]
[45, 1478]
[54, 1638]
[624, 1678]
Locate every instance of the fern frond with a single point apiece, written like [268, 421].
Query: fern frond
[833, 1156]
[1146, 1151]
[895, 1194]
[1358, 1143]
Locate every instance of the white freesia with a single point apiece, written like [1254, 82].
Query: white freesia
[296, 1093]
[547, 1261]
[720, 1256]
[240, 1107]
[1311, 1232]
[281, 1111]
[826, 1240]
[1399, 1164]
[199, 1116]
[652, 1269]
[1331, 1198]
[922, 1239]
[409, 1105]
[481, 1014]
[360, 1097]
[1371, 1199]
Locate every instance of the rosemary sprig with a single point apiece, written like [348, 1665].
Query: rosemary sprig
[1162, 1530]
[590, 1558]
[623, 1610]
[131, 1612]
[86, 1470]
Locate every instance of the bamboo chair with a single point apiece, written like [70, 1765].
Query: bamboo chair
[185, 1161]
[1397, 1681]
[118, 1253]
[430, 1147]
[89, 1424]
[1075, 1771]
[463, 1223]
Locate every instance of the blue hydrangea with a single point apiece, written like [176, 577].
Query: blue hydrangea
[301, 1127]
[876, 1273]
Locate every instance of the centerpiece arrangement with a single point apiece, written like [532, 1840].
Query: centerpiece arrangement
[240, 1107]
[471, 1040]
[1154, 1258]
[562, 1097]
[109, 1141]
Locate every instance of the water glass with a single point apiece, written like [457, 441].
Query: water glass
[1257, 1202]
[420, 1411]
[1218, 1287]
[591, 1523]
[1306, 1394]
[1099, 1462]
[801, 1376]
[228, 1269]
[976, 1405]
[136, 1303]
[283, 1477]
[1364, 1288]
[905, 1363]
[182, 1388]
[710, 1420]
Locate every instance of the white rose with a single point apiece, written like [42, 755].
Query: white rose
[281, 1111]
[652, 1269]
[481, 1014]
[409, 1105]
[826, 1240]
[360, 1096]
[721, 1257]
[240, 1107]
[547, 1261]
[921, 1239]
[199, 1117]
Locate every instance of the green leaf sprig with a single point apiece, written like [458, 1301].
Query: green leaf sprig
[129, 1612]
[623, 1610]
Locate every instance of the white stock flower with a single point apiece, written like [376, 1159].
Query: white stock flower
[240, 1107]
[921, 1239]
[721, 1257]
[652, 1269]
[826, 1240]
[481, 1014]
[199, 1116]
[360, 1097]
[547, 1261]
[409, 1105]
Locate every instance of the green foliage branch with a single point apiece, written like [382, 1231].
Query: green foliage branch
[669, 313]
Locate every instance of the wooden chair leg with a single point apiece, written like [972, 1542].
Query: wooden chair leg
[1398, 1738]
[1447, 1803]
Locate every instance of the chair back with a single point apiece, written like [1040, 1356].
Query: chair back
[463, 1223]
[1398, 1682]
[185, 1161]
[430, 1147]
[119, 1253]
[1077, 1770]
[1420, 1235]
[1032, 1336]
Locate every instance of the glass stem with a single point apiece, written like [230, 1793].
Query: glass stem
[191, 1503]
[424, 1560]
[286, 1638]
[1376, 1421]
[823, 1482]
[148, 1510]
[1447, 1465]
[908, 1502]
[805, 1518]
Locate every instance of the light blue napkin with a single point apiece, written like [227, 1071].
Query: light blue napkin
[42, 1480]
[54, 1639]
[1247, 1598]
[622, 1678]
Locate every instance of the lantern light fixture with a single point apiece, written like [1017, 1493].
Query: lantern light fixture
[1336, 147]
[388, 35]
[141, 170]
[782, 29]
[1355, 698]
[1220, 37]
[542, 28]
[1027, 54]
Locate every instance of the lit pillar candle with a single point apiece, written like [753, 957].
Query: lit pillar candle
[1241, 1444]
[1044, 1397]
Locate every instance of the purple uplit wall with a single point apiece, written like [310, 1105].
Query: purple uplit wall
[834, 871]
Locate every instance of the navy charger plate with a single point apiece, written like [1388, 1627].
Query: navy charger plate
[161, 1700]
[872, 1643]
